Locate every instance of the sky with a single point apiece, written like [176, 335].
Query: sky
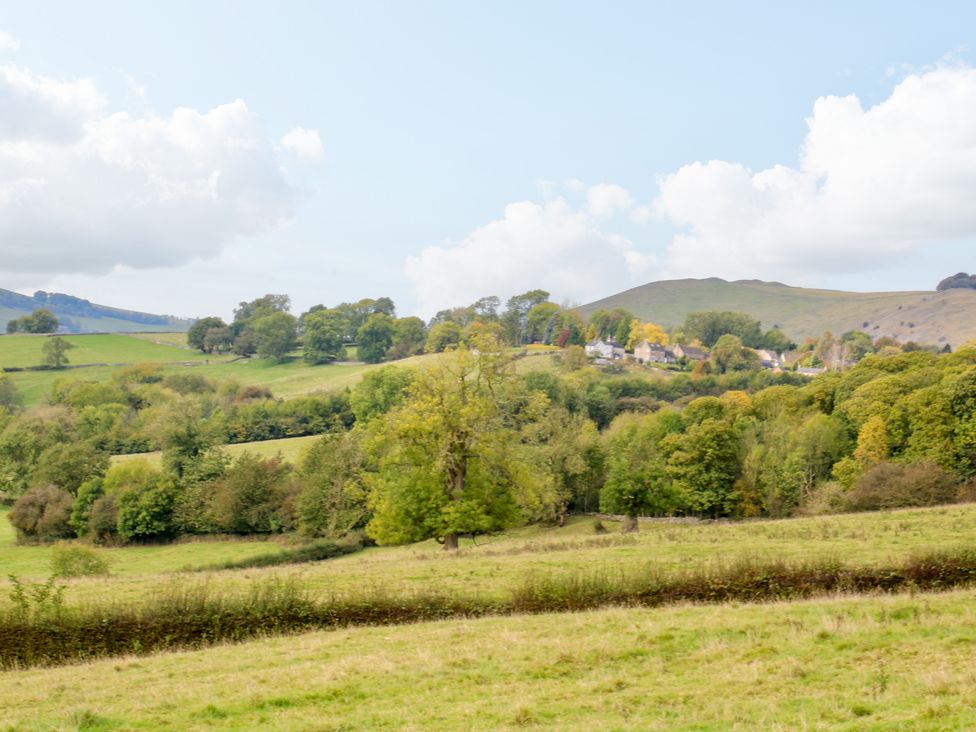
[181, 157]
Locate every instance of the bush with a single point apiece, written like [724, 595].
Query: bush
[894, 485]
[77, 561]
[247, 499]
[143, 499]
[43, 513]
[103, 519]
[89, 492]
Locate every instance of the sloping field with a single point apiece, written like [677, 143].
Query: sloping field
[892, 663]
[927, 317]
[289, 448]
[26, 350]
[494, 566]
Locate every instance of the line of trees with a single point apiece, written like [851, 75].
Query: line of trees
[468, 446]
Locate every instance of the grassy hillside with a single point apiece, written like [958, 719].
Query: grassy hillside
[496, 565]
[287, 379]
[290, 450]
[892, 663]
[928, 317]
[26, 350]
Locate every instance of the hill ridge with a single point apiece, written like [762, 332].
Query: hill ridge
[924, 316]
[78, 315]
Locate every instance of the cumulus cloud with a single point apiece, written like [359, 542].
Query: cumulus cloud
[304, 144]
[606, 199]
[8, 42]
[85, 190]
[533, 245]
[871, 185]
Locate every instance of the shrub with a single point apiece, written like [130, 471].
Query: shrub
[89, 492]
[895, 485]
[77, 561]
[143, 499]
[43, 513]
[248, 497]
[103, 519]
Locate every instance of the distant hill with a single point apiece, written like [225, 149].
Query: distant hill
[925, 317]
[81, 316]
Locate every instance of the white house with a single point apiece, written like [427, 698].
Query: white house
[603, 349]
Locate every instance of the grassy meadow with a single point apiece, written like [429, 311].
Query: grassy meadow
[494, 567]
[848, 662]
[26, 350]
[286, 379]
[290, 449]
[877, 663]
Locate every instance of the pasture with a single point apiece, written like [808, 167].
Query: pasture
[26, 350]
[494, 566]
[290, 449]
[897, 662]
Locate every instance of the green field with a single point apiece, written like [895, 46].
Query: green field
[26, 350]
[925, 317]
[494, 566]
[890, 663]
[894, 662]
[290, 449]
[287, 379]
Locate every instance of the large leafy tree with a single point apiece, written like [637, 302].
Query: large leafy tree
[637, 482]
[710, 325]
[375, 337]
[55, 351]
[448, 459]
[704, 463]
[323, 337]
[200, 337]
[274, 335]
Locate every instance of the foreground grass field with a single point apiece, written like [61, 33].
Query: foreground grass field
[886, 663]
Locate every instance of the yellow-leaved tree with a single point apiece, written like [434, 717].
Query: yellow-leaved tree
[650, 332]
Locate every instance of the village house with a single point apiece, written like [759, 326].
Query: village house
[690, 353]
[647, 352]
[769, 359]
[603, 349]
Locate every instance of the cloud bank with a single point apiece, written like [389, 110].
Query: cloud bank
[551, 246]
[86, 190]
[871, 186]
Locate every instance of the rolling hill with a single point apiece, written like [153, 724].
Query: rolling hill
[81, 316]
[922, 316]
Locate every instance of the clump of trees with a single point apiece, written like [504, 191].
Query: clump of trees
[41, 320]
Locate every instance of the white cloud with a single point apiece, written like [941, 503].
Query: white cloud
[8, 42]
[534, 245]
[34, 107]
[871, 185]
[304, 144]
[606, 199]
[84, 190]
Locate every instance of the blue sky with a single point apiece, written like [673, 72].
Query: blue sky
[456, 135]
